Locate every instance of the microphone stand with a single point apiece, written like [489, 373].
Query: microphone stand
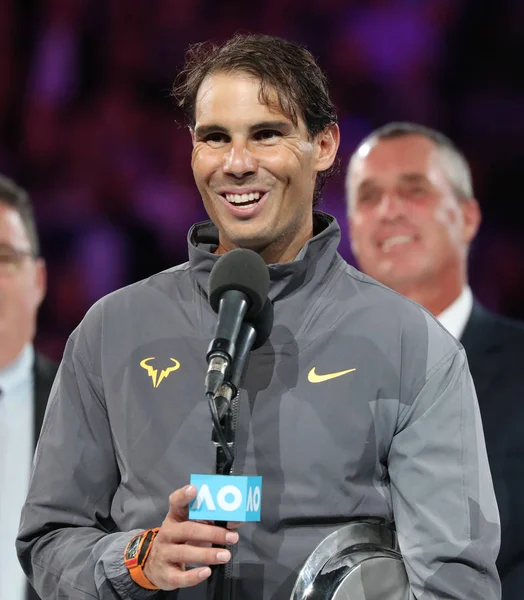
[223, 436]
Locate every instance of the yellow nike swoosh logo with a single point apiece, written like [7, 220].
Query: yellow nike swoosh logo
[314, 378]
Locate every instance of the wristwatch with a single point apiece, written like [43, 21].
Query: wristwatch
[135, 556]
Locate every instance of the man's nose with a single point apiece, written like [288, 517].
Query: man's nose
[239, 161]
[390, 206]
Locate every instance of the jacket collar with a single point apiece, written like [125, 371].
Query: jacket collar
[309, 267]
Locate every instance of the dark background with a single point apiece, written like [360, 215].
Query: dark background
[88, 127]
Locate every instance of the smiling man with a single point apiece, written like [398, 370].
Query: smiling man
[255, 168]
[359, 404]
[412, 213]
[413, 217]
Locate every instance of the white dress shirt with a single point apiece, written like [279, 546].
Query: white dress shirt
[16, 455]
[456, 315]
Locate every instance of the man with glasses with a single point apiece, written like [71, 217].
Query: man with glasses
[25, 376]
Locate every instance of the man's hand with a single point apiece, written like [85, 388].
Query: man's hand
[180, 542]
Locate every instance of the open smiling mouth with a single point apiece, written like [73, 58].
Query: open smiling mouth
[244, 199]
[395, 241]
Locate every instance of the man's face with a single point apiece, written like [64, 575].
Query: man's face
[407, 225]
[255, 169]
[22, 283]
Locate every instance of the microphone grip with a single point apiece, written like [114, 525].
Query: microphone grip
[232, 309]
[245, 341]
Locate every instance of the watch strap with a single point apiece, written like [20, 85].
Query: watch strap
[135, 564]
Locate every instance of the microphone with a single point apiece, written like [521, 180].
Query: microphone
[238, 288]
[253, 334]
[224, 497]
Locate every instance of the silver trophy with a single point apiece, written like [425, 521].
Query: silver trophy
[360, 561]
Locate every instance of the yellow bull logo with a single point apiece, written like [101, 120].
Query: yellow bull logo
[153, 373]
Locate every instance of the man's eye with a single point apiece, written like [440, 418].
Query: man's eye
[216, 138]
[368, 197]
[416, 190]
[267, 134]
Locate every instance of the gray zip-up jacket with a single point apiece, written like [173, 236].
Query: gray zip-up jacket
[399, 436]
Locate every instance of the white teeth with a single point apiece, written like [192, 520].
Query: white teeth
[243, 198]
[396, 240]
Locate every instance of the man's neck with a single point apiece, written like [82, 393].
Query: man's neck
[280, 251]
[9, 353]
[435, 295]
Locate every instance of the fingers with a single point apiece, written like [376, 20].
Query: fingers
[186, 554]
[173, 578]
[179, 502]
[180, 542]
[196, 533]
[165, 566]
[202, 544]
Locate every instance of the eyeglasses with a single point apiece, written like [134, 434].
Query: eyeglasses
[11, 259]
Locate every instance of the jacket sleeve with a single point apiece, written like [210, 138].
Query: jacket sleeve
[68, 544]
[443, 500]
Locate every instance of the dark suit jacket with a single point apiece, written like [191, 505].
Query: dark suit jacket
[495, 351]
[44, 374]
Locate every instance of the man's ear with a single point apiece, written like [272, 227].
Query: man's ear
[327, 142]
[40, 280]
[472, 219]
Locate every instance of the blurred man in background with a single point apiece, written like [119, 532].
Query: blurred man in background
[25, 376]
[412, 218]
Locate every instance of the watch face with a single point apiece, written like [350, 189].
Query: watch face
[132, 549]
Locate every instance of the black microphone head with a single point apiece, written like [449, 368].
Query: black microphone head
[242, 270]
[263, 324]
